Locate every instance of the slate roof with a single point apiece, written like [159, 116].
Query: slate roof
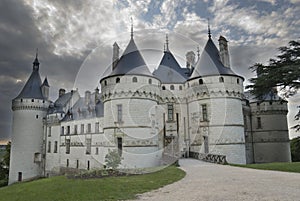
[169, 70]
[131, 62]
[271, 96]
[32, 88]
[45, 83]
[210, 62]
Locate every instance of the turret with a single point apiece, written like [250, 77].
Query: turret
[115, 55]
[29, 109]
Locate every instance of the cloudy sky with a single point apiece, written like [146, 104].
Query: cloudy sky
[75, 37]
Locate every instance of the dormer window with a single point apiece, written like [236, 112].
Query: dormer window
[221, 79]
[134, 79]
[200, 81]
[172, 87]
[118, 80]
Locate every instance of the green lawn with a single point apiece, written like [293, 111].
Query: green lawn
[111, 188]
[286, 167]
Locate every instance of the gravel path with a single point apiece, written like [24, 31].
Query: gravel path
[206, 181]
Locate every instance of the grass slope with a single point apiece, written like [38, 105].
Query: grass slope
[111, 188]
[285, 167]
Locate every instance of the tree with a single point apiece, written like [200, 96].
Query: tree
[281, 73]
[295, 149]
[4, 166]
[113, 159]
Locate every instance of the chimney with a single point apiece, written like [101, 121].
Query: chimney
[97, 95]
[190, 59]
[87, 97]
[61, 92]
[115, 55]
[224, 53]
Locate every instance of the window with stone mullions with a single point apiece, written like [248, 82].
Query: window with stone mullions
[204, 112]
[170, 112]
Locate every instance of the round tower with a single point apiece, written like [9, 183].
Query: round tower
[214, 94]
[29, 109]
[130, 95]
[270, 136]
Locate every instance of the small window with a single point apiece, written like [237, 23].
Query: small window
[68, 130]
[118, 80]
[62, 132]
[200, 81]
[134, 79]
[238, 81]
[55, 147]
[259, 122]
[49, 131]
[105, 83]
[97, 151]
[163, 88]
[221, 79]
[82, 128]
[89, 128]
[119, 113]
[88, 146]
[32, 100]
[75, 129]
[49, 147]
[36, 116]
[120, 146]
[67, 162]
[180, 87]
[150, 81]
[67, 146]
[270, 102]
[88, 165]
[21, 100]
[172, 87]
[77, 164]
[257, 104]
[97, 127]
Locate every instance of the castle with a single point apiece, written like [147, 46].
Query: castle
[174, 111]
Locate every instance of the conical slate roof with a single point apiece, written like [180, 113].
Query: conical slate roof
[169, 70]
[131, 62]
[32, 88]
[45, 83]
[210, 62]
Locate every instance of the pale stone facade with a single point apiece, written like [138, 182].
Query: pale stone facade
[148, 117]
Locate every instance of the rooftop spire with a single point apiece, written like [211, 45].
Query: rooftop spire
[167, 43]
[131, 34]
[36, 62]
[209, 33]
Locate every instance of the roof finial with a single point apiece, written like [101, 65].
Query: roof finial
[37, 53]
[164, 47]
[167, 43]
[209, 33]
[131, 34]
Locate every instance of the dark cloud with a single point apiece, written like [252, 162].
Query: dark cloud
[18, 40]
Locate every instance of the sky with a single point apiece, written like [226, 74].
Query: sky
[74, 38]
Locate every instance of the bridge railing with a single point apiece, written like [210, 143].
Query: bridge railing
[212, 158]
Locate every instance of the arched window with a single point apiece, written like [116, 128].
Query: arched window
[118, 80]
[238, 81]
[200, 81]
[221, 79]
[180, 87]
[163, 88]
[172, 87]
[150, 81]
[134, 79]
